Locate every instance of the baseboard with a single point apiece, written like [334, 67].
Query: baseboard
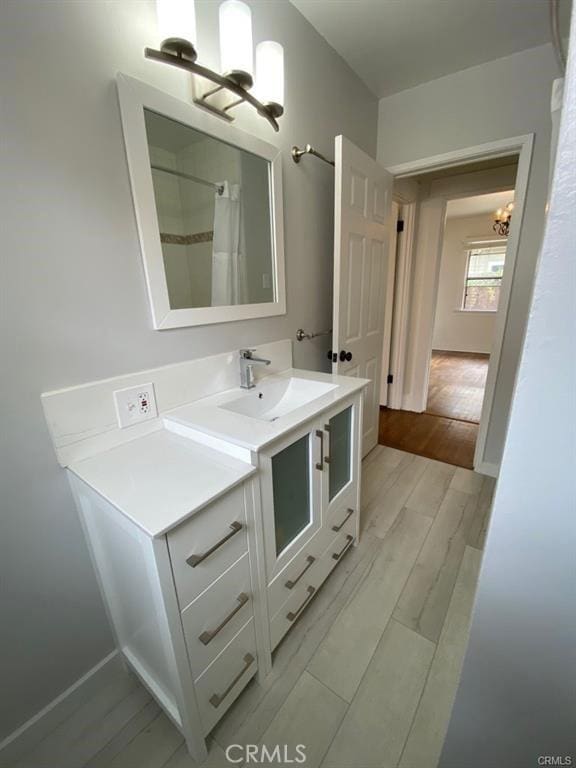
[462, 352]
[413, 404]
[487, 468]
[24, 738]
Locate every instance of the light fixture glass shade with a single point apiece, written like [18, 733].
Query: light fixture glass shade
[176, 20]
[269, 86]
[236, 37]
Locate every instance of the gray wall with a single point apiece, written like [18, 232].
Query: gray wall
[74, 300]
[517, 698]
[500, 99]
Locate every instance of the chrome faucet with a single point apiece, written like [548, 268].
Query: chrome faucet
[247, 363]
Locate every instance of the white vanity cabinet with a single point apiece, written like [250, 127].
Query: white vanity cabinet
[309, 484]
[181, 596]
[212, 534]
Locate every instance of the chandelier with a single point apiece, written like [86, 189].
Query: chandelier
[502, 219]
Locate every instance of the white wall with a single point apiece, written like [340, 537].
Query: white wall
[74, 298]
[497, 100]
[517, 699]
[454, 330]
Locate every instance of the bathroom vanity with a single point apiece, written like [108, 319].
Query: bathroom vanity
[216, 499]
[213, 532]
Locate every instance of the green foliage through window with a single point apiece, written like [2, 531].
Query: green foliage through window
[484, 270]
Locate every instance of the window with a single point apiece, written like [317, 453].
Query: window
[484, 269]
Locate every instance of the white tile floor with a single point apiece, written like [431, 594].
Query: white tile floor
[369, 673]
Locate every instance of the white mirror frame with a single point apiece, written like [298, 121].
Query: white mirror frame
[134, 97]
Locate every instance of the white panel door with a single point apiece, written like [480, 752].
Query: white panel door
[363, 274]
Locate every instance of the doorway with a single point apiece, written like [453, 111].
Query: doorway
[433, 398]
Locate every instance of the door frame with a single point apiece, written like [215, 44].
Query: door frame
[401, 301]
[522, 146]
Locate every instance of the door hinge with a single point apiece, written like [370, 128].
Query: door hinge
[390, 379]
[400, 225]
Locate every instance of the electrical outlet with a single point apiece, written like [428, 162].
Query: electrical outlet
[135, 404]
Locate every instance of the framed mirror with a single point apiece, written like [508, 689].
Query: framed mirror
[208, 202]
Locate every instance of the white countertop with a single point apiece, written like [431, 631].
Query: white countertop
[161, 479]
[207, 416]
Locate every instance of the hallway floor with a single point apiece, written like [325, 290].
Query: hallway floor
[369, 674]
[448, 429]
[457, 382]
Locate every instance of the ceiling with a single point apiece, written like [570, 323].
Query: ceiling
[475, 206]
[397, 44]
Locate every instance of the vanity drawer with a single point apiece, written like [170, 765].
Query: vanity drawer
[307, 588]
[205, 546]
[337, 547]
[217, 615]
[225, 678]
[298, 569]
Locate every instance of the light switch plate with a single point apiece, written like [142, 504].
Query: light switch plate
[135, 404]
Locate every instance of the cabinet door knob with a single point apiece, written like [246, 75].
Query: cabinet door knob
[345, 356]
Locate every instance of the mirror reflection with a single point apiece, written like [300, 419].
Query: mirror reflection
[214, 213]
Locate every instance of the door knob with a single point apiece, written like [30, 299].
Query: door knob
[345, 356]
[332, 356]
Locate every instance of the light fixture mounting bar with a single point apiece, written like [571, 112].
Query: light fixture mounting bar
[223, 82]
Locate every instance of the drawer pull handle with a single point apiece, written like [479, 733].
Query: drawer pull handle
[319, 464]
[294, 614]
[217, 698]
[337, 528]
[327, 457]
[291, 584]
[345, 548]
[195, 560]
[210, 634]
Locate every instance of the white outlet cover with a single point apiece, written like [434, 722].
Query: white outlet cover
[135, 404]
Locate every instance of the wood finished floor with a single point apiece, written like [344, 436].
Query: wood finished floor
[448, 429]
[368, 676]
[457, 382]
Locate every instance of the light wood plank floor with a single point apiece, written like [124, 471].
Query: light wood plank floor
[368, 676]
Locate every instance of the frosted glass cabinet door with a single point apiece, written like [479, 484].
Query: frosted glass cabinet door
[292, 492]
[340, 465]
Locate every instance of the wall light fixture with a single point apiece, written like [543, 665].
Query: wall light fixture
[177, 28]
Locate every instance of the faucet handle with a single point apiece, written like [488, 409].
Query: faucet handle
[246, 354]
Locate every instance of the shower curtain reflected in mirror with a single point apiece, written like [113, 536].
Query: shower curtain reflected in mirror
[229, 283]
[214, 216]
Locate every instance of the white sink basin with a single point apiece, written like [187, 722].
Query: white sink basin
[269, 402]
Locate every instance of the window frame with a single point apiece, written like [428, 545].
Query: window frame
[474, 246]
